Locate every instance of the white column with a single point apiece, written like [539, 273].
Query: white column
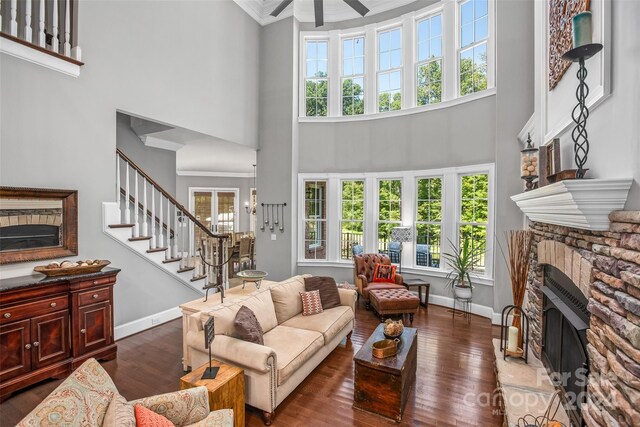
[136, 209]
[28, 32]
[335, 89]
[13, 24]
[408, 70]
[55, 42]
[127, 194]
[67, 30]
[160, 231]
[145, 223]
[152, 242]
[42, 40]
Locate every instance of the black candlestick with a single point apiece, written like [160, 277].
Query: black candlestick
[580, 112]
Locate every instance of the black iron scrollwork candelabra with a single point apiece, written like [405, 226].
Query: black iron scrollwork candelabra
[580, 112]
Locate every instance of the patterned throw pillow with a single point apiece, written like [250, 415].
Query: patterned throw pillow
[147, 418]
[119, 413]
[384, 273]
[311, 303]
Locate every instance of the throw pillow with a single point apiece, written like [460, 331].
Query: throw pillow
[384, 273]
[311, 303]
[329, 295]
[119, 413]
[147, 418]
[247, 326]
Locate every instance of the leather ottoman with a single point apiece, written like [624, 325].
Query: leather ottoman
[394, 301]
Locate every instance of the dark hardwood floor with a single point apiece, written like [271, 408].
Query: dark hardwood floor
[455, 371]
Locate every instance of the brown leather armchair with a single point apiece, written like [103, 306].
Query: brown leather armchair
[364, 266]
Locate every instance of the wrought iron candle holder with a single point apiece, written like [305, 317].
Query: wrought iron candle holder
[520, 352]
[273, 216]
[580, 112]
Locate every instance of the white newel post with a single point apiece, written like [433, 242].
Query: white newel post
[145, 223]
[136, 209]
[67, 28]
[160, 230]
[42, 39]
[127, 195]
[28, 32]
[13, 24]
[55, 42]
[152, 242]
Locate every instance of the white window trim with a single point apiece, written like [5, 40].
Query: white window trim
[303, 80]
[341, 220]
[449, 225]
[390, 70]
[343, 77]
[417, 64]
[416, 221]
[408, 22]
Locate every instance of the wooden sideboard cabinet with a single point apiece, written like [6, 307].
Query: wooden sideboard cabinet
[50, 326]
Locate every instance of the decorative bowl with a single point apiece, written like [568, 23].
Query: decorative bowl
[70, 271]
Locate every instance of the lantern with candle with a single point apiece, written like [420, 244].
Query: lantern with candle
[510, 335]
[529, 164]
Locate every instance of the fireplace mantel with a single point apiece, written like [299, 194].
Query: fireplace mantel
[577, 203]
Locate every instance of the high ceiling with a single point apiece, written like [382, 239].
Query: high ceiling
[334, 10]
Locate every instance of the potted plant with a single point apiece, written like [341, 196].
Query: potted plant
[461, 262]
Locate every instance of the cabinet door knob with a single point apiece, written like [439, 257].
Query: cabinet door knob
[83, 331]
[53, 304]
[36, 344]
[7, 315]
[95, 296]
[28, 346]
[95, 282]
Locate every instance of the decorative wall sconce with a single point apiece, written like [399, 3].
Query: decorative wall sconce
[273, 216]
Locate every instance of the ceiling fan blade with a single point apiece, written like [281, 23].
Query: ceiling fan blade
[357, 6]
[317, 7]
[282, 6]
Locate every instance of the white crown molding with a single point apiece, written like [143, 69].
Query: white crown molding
[40, 58]
[163, 144]
[216, 174]
[576, 203]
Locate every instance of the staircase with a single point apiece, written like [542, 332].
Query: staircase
[151, 223]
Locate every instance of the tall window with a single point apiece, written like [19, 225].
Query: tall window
[474, 33]
[390, 70]
[315, 215]
[353, 76]
[429, 67]
[352, 221]
[316, 75]
[389, 210]
[474, 207]
[428, 221]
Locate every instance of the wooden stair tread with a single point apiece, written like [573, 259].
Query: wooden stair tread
[150, 251]
[138, 239]
[195, 279]
[121, 225]
[184, 270]
[167, 261]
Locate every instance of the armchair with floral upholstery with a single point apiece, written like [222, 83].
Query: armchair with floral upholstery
[88, 394]
[364, 267]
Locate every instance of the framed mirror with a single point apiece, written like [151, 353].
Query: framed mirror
[37, 224]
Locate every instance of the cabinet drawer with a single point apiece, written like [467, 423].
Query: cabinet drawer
[93, 296]
[34, 308]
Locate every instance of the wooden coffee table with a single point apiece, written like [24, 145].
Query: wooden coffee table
[382, 386]
[226, 391]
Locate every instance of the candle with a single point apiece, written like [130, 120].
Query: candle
[582, 29]
[512, 345]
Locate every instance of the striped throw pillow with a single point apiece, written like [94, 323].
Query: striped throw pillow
[311, 303]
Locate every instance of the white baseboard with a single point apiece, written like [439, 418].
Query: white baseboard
[145, 323]
[480, 310]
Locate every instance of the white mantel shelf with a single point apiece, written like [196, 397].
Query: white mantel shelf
[577, 203]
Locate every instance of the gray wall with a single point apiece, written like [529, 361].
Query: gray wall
[276, 161]
[243, 185]
[159, 164]
[60, 132]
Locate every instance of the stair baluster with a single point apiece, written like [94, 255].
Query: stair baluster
[145, 223]
[174, 250]
[153, 241]
[42, 42]
[160, 230]
[13, 24]
[67, 29]
[167, 253]
[28, 33]
[136, 208]
[55, 41]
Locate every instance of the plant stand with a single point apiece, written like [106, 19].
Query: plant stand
[466, 308]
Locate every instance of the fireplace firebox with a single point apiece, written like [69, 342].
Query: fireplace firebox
[564, 351]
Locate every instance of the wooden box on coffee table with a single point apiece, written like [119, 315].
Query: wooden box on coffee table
[382, 386]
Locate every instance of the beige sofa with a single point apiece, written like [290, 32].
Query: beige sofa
[293, 344]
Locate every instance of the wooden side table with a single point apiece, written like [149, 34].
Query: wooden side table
[419, 283]
[226, 391]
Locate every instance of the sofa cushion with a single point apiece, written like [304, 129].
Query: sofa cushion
[82, 399]
[261, 304]
[293, 348]
[286, 298]
[328, 290]
[225, 317]
[328, 323]
[247, 326]
[120, 413]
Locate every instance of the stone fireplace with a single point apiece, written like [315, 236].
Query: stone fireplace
[571, 267]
